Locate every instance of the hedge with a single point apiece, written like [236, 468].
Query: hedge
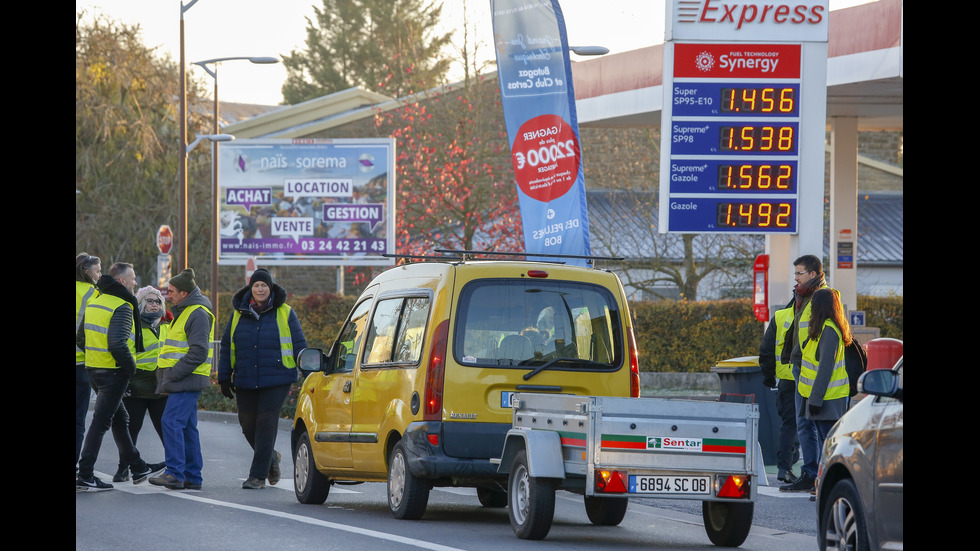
[671, 336]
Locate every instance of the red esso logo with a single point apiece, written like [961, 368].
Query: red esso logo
[165, 240]
[546, 157]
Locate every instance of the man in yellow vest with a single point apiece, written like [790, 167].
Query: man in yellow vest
[809, 276]
[111, 339]
[778, 375]
[183, 371]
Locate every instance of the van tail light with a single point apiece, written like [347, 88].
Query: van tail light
[435, 376]
[634, 367]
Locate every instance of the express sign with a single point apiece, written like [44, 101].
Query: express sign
[165, 239]
[789, 20]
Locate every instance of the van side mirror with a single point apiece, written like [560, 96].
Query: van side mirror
[312, 359]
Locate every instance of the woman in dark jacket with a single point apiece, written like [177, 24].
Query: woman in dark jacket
[257, 367]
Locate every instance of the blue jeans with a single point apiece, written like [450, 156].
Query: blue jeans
[809, 440]
[83, 395]
[109, 385]
[181, 440]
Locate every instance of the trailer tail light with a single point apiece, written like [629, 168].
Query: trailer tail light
[435, 376]
[611, 482]
[634, 366]
[733, 486]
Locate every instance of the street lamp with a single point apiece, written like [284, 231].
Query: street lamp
[215, 244]
[589, 50]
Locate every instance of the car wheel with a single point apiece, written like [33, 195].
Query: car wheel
[310, 485]
[842, 522]
[492, 498]
[407, 495]
[727, 524]
[606, 511]
[531, 499]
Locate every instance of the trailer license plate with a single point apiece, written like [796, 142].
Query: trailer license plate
[646, 484]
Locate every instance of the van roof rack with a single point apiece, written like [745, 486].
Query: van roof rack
[422, 256]
[468, 255]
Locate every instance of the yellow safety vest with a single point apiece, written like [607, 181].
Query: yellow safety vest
[147, 360]
[175, 345]
[84, 292]
[839, 386]
[803, 328]
[98, 314]
[783, 320]
[285, 336]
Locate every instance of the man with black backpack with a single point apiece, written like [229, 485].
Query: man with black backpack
[779, 375]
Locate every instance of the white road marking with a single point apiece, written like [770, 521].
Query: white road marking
[194, 495]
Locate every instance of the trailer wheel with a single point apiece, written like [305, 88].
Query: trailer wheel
[727, 524]
[531, 500]
[606, 511]
[407, 495]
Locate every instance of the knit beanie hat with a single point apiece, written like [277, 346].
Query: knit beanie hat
[184, 281]
[260, 275]
[147, 292]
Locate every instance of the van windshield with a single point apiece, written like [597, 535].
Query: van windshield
[527, 323]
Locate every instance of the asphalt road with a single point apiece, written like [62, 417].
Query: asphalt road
[224, 516]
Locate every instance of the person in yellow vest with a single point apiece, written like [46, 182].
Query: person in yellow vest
[183, 371]
[823, 377]
[809, 276]
[257, 366]
[88, 270]
[778, 375]
[142, 397]
[112, 337]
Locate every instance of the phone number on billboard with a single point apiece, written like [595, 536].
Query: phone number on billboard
[342, 245]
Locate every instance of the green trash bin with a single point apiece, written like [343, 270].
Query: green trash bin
[741, 381]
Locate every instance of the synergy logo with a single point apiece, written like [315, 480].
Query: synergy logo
[674, 444]
[704, 61]
[717, 11]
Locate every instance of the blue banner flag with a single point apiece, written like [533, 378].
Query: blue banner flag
[536, 90]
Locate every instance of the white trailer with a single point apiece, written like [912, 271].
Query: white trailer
[610, 449]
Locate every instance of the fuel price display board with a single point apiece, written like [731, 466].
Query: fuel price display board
[731, 135]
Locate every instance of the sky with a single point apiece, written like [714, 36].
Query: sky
[239, 28]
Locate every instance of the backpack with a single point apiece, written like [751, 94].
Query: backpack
[856, 362]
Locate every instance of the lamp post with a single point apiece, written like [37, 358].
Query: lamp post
[215, 244]
[182, 164]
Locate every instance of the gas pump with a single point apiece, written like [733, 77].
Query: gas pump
[760, 287]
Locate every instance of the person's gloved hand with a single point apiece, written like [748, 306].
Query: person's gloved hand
[227, 389]
[769, 382]
[814, 410]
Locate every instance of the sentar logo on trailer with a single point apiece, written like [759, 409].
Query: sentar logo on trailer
[740, 14]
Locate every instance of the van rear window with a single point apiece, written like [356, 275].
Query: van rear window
[528, 323]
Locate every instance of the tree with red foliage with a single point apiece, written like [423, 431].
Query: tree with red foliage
[455, 182]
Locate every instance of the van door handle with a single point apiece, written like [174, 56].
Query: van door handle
[347, 386]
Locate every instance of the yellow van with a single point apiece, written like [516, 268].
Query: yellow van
[416, 389]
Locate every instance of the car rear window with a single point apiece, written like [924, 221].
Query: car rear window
[522, 322]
